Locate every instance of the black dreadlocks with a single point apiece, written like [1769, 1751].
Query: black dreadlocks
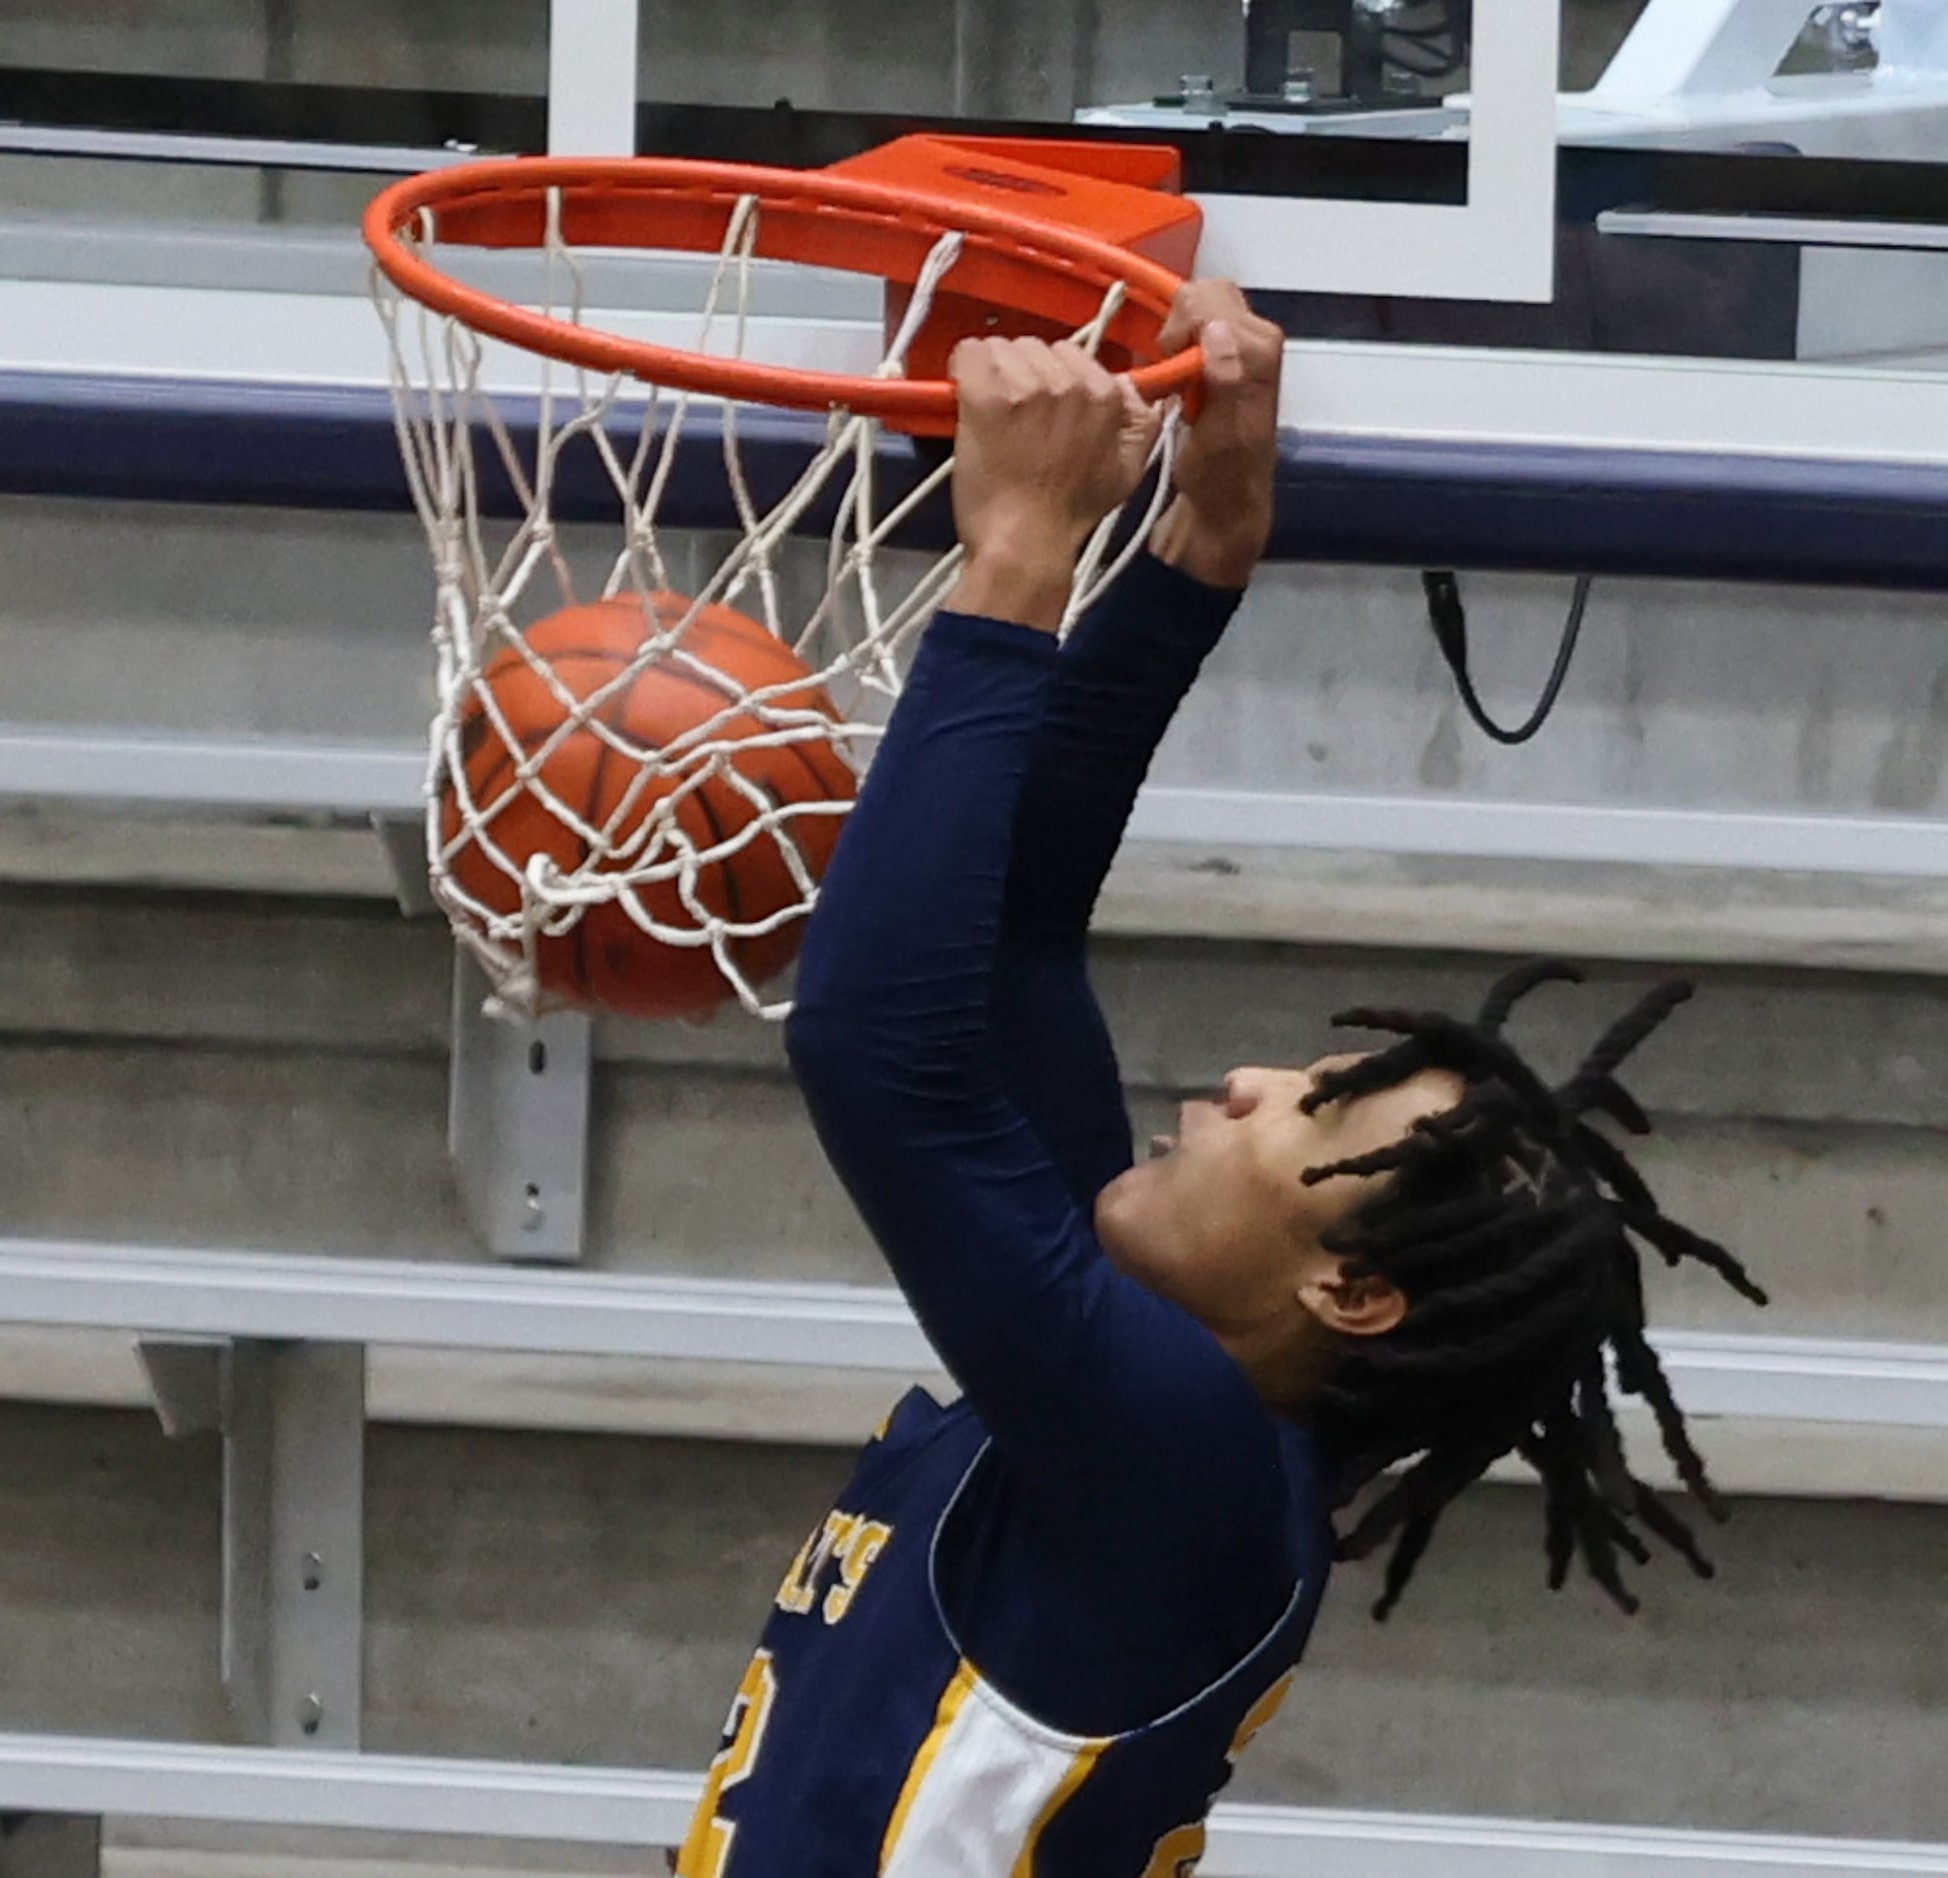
[1511, 1225]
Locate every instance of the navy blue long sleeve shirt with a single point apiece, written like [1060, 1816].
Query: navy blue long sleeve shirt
[1134, 1537]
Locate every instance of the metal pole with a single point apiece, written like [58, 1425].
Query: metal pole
[593, 61]
[1268, 46]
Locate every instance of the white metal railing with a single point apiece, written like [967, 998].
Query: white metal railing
[612, 1806]
[272, 776]
[295, 1299]
[289, 1297]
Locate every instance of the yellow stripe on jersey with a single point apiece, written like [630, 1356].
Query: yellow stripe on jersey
[1085, 1764]
[1261, 1714]
[958, 1691]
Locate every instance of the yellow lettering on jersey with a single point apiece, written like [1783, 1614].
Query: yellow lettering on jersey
[865, 1543]
[707, 1849]
[854, 1542]
[1177, 1854]
[799, 1592]
[795, 1594]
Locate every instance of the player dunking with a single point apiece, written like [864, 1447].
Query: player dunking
[1039, 1625]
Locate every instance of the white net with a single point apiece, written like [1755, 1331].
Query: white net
[569, 820]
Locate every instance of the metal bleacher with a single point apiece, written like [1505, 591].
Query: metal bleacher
[603, 1806]
[203, 1316]
[272, 1351]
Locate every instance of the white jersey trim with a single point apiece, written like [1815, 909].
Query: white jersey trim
[984, 1790]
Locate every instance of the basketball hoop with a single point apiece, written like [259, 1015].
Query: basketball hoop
[570, 884]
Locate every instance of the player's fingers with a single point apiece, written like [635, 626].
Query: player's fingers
[1141, 421]
[1224, 358]
[973, 369]
[1064, 366]
[1023, 369]
[967, 361]
[1198, 302]
[1074, 371]
[1090, 376]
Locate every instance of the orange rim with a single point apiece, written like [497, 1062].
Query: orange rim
[676, 205]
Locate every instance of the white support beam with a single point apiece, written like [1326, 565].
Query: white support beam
[294, 1541]
[855, 1328]
[258, 777]
[1501, 245]
[1840, 1382]
[281, 341]
[1586, 833]
[284, 153]
[1271, 1842]
[517, 1123]
[462, 1307]
[185, 1377]
[245, 775]
[1702, 48]
[344, 1792]
[1792, 231]
[592, 61]
[604, 1806]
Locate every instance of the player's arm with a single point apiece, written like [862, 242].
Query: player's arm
[893, 1036]
[1124, 672]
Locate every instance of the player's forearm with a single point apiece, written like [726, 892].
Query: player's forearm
[900, 953]
[1024, 577]
[1219, 550]
[1124, 673]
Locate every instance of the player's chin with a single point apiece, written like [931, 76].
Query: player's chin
[1122, 1210]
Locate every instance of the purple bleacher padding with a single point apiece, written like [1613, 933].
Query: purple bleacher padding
[1393, 502]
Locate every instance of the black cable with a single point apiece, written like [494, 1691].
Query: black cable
[1449, 618]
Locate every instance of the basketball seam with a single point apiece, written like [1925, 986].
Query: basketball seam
[614, 717]
[620, 702]
[728, 874]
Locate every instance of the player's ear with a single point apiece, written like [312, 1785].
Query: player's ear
[1364, 1306]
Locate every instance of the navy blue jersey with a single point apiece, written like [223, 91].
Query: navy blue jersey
[865, 1740]
[1032, 1632]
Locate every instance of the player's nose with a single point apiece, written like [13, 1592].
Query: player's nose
[1194, 1115]
[1249, 1088]
[1245, 1088]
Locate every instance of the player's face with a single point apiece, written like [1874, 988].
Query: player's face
[1218, 1220]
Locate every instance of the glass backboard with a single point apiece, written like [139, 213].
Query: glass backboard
[1684, 226]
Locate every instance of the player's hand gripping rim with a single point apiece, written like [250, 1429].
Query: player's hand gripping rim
[1220, 522]
[1049, 443]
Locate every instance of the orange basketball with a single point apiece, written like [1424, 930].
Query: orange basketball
[606, 958]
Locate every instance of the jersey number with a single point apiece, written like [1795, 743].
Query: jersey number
[706, 1852]
[1177, 1854]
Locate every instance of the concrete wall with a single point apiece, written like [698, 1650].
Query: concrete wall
[208, 1072]
[286, 624]
[205, 1070]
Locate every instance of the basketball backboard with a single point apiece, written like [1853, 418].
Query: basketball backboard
[183, 193]
[1737, 375]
